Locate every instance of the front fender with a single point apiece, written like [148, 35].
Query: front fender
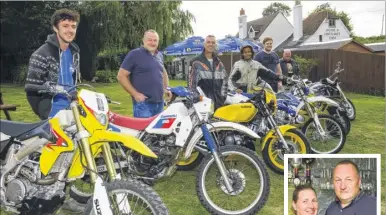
[127, 140]
[316, 99]
[218, 126]
[283, 129]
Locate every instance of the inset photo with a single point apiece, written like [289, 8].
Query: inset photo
[332, 184]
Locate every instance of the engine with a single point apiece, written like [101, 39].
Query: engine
[235, 138]
[164, 147]
[282, 117]
[28, 192]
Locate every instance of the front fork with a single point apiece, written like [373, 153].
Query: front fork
[100, 192]
[212, 148]
[314, 116]
[278, 132]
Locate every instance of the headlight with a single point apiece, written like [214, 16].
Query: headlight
[102, 118]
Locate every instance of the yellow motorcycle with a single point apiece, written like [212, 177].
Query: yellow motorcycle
[39, 160]
[256, 111]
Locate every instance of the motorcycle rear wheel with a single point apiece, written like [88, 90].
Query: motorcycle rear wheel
[299, 144]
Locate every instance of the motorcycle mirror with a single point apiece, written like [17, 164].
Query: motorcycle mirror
[338, 64]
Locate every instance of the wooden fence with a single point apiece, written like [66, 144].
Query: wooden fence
[363, 73]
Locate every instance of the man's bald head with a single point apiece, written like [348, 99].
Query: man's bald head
[286, 54]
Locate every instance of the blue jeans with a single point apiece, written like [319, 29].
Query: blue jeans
[147, 109]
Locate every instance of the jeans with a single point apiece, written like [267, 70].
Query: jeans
[147, 109]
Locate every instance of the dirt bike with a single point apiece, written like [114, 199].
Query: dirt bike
[257, 111]
[39, 160]
[320, 129]
[331, 89]
[290, 103]
[175, 133]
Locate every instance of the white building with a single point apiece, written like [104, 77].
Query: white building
[276, 26]
[316, 28]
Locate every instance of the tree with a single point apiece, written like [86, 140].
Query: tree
[341, 15]
[275, 8]
[24, 27]
[372, 39]
[104, 26]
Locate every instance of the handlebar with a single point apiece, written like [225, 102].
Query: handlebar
[111, 101]
[53, 89]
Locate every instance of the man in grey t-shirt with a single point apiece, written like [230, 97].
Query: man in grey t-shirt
[350, 199]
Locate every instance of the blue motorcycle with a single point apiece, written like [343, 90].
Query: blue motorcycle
[326, 133]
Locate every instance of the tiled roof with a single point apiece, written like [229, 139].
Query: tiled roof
[313, 21]
[259, 25]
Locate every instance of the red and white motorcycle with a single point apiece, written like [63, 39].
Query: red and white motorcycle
[184, 126]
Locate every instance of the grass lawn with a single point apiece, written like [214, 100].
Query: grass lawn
[367, 136]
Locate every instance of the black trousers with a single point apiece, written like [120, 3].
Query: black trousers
[274, 86]
[40, 104]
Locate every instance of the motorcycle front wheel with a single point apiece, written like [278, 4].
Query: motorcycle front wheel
[343, 118]
[352, 114]
[334, 139]
[249, 180]
[138, 195]
[273, 151]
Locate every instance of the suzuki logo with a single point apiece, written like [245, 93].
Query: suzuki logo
[97, 207]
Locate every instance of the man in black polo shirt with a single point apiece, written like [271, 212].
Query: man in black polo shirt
[144, 77]
[350, 199]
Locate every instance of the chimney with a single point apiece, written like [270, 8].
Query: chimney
[242, 12]
[298, 21]
[242, 24]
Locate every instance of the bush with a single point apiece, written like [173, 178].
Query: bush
[19, 74]
[109, 62]
[105, 76]
[305, 65]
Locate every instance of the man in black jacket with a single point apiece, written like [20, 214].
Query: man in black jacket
[57, 61]
[288, 65]
[208, 72]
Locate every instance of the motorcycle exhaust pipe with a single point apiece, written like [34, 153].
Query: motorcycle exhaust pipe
[31, 145]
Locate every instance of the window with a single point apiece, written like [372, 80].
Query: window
[251, 34]
[331, 23]
[320, 38]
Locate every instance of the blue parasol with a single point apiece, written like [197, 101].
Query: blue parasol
[192, 45]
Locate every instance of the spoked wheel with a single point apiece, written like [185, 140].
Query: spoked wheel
[350, 108]
[249, 180]
[332, 141]
[342, 117]
[131, 194]
[273, 151]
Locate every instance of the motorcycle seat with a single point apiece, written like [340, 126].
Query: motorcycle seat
[15, 129]
[138, 124]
